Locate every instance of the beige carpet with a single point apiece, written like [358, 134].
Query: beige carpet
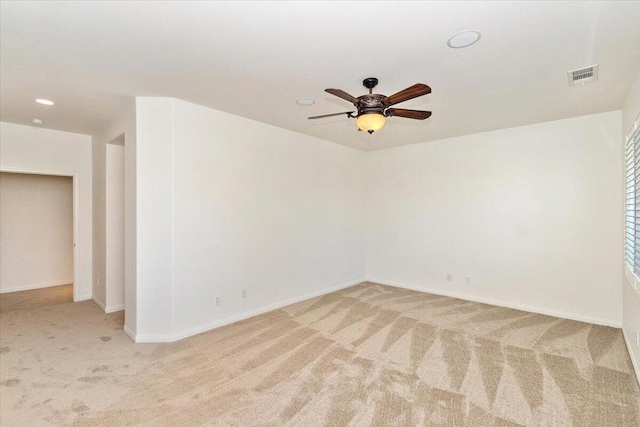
[27, 300]
[367, 355]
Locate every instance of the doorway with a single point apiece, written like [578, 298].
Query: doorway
[37, 240]
[113, 292]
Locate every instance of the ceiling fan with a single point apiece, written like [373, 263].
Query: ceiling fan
[373, 109]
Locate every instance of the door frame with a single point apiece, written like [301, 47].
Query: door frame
[74, 178]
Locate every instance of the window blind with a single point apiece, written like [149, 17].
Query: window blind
[632, 217]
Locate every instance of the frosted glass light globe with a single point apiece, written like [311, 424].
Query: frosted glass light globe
[370, 122]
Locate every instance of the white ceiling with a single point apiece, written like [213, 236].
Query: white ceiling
[255, 59]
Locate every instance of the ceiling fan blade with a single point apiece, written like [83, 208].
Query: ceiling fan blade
[342, 94]
[409, 114]
[414, 91]
[348, 113]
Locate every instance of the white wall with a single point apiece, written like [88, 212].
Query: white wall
[532, 214]
[106, 174]
[115, 226]
[154, 204]
[225, 203]
[130, 220]
[36, 231]
[631, 297]
[27, 148]
[99, 162]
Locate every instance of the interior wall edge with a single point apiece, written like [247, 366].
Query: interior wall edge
[129, 333]
[121, 127]
[107, 308]
[99, 303]
[113, 308]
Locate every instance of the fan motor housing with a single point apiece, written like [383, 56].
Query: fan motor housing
[371, 103]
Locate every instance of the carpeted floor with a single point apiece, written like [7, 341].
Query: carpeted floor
[366, 355]
[34, 298]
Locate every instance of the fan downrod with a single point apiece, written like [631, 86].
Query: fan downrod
[370, 83]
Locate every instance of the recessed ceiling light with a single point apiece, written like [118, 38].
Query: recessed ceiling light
[463, 39]
[44, 101]
[36, 121]
[305, 102]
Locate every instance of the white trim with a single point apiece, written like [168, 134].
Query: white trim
[632, 280]
[36, 286]
[636, 368]
[82, 298]
[36, 171]
[108, 309]
[114, 308]
[99, 303]
[501, 303]
[235, 318]
[76, 219]
[130, 333]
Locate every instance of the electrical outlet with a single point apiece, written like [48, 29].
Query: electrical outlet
[348, 268]
[244, 293]
[449, 277]
[217, 300]
[98, 279]
[467, 280]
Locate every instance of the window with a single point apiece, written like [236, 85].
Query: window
[632, 224]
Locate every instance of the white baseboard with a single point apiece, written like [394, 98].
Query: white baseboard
[130, 333]
[108, 309]
[114, 308]
[235, 318]
[82, 298]
[501, 303]
[632, 354]
[36, 286]
[99, 303]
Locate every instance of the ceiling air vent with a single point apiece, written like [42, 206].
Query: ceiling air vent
[583, 75]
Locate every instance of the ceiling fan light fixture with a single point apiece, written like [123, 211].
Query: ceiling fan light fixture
[373, 109]
[370, 122]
